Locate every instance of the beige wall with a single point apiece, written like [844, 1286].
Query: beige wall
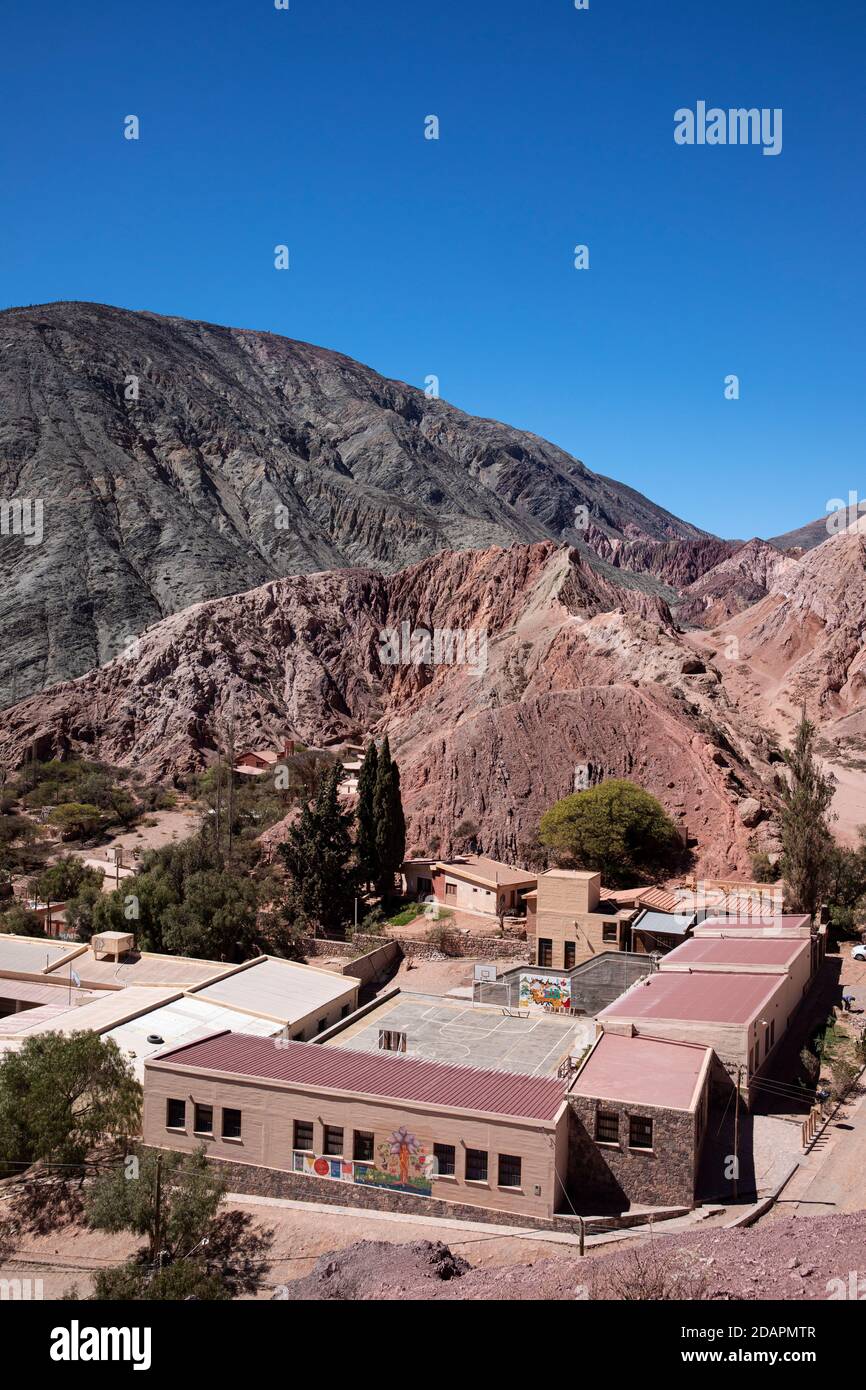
[733, 1043]
[269, 1110]
[565, 913]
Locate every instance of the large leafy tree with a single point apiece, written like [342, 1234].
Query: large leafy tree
[192, 1249]
[366, 852]
[319, 861]
[216, 920]
[390, 821]
[62, 1096]
[807, 844]
[615, 828]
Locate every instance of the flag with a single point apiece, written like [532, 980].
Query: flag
[76, 979]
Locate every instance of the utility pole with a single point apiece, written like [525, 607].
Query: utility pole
[157, 1220]
[737, 1134]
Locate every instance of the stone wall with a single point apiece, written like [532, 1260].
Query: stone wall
[611, 1177]
[272, 1182]
[461, 944]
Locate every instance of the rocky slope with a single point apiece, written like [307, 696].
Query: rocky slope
[734, 584]
[180, 461]
[574, 671]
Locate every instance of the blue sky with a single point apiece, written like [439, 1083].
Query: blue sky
[455, 257]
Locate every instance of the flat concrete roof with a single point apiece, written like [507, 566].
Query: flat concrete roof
[490, 872]
[772, 953]
[709, 997]
[146, 968]
[180, 1022]
[283, 990]
[33, 992]
[106, 1011]
[456, 1032]
[643, 1071]
[29, 955]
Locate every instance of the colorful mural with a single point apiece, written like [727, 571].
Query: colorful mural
[553, 995]
[403, 1166]
[320, 1167]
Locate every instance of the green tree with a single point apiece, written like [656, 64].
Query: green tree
[366, 851]
[807, 845]
[62, 1096]
[615, 828]
[63, 880]
[318, 857]
[76, 820]
[216, 920]
[172, 1200]
[390, 822]
[846, 885]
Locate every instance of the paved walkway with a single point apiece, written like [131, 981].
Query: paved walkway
[832, 1176]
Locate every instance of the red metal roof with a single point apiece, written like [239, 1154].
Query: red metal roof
[312, 1066]
[642, 1071]
[741, 951]
[709, 997]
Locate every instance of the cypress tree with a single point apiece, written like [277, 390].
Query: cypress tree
[366, 853]
[803, 823]
[390, 822]
[318, 859]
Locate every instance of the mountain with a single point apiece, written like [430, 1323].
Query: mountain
[575, 672]
[739, 580]
[804, 537]
[180, 461]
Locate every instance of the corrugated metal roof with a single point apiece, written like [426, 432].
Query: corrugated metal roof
[663, 923]
[402, 1078]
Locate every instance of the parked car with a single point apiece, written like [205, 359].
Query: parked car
[859, 953]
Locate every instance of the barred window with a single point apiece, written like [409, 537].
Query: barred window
[640, 1132]
[607, 1127]
[476, 1165]
[509, 1170]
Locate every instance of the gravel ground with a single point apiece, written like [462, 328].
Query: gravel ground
[794, 1259]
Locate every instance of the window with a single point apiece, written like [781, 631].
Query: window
[203, 1119]
[607, 1127]
[321, 1025]
[476, 1165]
[509, 1170]
[640, 1132]
[334, 1140]
[344, 1012]
[570, 955]
[362, 1148]
[298, 1037]
[446, 1157]
[303, 1134]
[175, 1114]
[451, 890]
[231, 1124]
[545, 951]
[610, 931]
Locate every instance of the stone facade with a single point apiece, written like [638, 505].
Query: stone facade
[613, 1176]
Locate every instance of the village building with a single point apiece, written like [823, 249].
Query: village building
[253, 762]
[571, 921]
[643, 1104]
[394, 1124]
[468, 883]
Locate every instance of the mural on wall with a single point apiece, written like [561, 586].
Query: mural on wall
[320, 1167]
[545, 992]
[402, 1166]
